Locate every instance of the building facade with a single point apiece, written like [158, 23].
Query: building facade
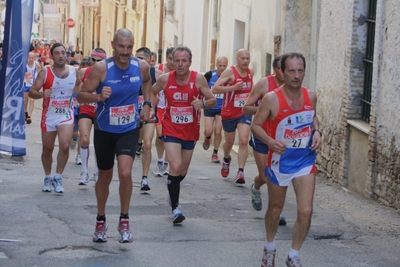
[351, 49]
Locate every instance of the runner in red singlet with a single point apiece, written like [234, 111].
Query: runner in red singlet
[235, 83]
[181, 124]
[86, 120]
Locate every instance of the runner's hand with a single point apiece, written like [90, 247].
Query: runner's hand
[105, 93]
[197, 103]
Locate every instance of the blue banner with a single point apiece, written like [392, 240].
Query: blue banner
[17, 37]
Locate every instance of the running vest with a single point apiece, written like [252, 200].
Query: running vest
[181, 119]
[88, 108]
[294, 127]
[211, 82]
[161, 97]
[119, 113]
[60, 100]
[153, 81]
[271, 87]
[233, 102]
[30, 75]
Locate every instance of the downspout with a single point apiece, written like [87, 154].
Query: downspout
[314, 45]
[160, 32]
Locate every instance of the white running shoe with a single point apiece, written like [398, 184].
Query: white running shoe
[177, 215]
[78, 160]
[57, 184]
[47, 185]
[84, 179]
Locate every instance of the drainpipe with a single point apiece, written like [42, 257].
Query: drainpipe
[277, 37]
[144, 25]
[314, 44]
[160, 32]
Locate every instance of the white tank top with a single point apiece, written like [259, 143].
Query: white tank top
[30, 75]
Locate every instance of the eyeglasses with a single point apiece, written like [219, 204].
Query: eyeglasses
[96, 59]
[139, 57]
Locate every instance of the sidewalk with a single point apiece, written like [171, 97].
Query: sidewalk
[221, 228]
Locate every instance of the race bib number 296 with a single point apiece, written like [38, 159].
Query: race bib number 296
[181, 115]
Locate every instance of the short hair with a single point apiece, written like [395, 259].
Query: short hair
[276, 61]
[169, 51]
[86, 61]
[73, 62]
[145, 51]
[291, 55]
[55, 45]
[154, 54]
[100, 50]
[183, 48]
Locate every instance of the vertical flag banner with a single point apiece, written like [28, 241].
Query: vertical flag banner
[16, 43]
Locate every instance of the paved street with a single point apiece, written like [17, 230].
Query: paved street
[221, 228]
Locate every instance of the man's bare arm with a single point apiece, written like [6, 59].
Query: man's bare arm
[226, 77]
[259, 90]
[96, 76]
[34, 91]
[202, 86]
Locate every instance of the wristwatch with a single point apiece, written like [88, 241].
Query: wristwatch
[205, 103]
[147, 103]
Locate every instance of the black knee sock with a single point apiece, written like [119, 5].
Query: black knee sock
[181, 177]
[174, 186]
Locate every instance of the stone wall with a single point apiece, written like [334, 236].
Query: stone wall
[385, 179]
[340, 79]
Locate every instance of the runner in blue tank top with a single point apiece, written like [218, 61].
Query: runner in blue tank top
[212, 117]
[117, 81]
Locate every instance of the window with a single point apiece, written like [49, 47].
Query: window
[368, 62]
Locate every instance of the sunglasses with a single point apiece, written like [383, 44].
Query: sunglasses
[140, 57]
[96, 59]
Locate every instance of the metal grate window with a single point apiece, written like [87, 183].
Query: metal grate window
[368, 62]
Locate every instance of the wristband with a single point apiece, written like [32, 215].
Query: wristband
[316, 130]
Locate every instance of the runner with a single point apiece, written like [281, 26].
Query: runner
[181, 124]
[86, 119]
[59, 83]
[212, 117]
[235, 83]
[117, 81]
[293, 136]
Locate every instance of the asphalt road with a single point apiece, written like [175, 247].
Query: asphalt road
[221, 227]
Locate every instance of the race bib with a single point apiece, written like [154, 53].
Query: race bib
[219, 96]
[28, 79]
[297, 138]
[59, 106]
[240, 99]
[140, 102]
[181, 115]
[122, 115]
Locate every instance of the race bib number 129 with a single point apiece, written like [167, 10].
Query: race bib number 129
[122, 115]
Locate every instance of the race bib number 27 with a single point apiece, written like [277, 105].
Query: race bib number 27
[297, 138]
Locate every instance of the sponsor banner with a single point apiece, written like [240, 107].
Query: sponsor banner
[17, 36]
